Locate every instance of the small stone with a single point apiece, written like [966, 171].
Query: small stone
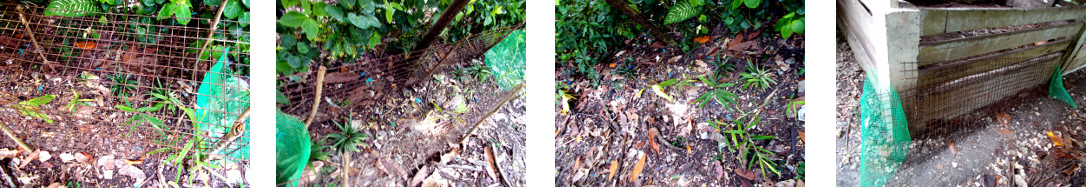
[44, 156]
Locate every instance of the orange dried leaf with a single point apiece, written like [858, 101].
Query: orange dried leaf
[1055, 139]
[612, 65]
[702, 39]
[637, 169]
[652, 142]
[133, 162]
[577, 165]
[688, 150]
[86, 45]
[614, 168]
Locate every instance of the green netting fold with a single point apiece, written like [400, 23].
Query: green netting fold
[1056, 89]
[221, 92]
[291, 149]
[507, 60]
[885, 139]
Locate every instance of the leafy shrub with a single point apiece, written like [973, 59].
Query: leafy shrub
[716, 91]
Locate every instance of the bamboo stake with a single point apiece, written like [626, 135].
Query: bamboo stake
[33, 39]
[495, 109]
[346, 168]
[207, 42]
[317, 98]
[236, 131]
[15, 138]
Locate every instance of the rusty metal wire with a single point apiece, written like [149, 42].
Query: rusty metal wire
[157, 56]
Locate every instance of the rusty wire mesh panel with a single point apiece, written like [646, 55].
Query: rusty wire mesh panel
[369, 80]
[946, 96]
[93, 56]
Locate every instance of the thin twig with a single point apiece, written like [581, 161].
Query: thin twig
[7, 177]
[33, 39]
[455, 166]
[15, 138]
[346, 168]
[210, 34]
[317, 98]
[495, 109]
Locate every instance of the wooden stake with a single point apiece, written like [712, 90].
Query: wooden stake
[15, 138]
[492, 110]
[210, 35]
[317, 98]
[33, 39]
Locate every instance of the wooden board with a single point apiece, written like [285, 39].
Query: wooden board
[964, 19]
[980, 45]
[936, 75]
[856, 23]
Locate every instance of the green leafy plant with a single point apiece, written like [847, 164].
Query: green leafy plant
[31, 107]
[790, 23]
[141, 114]
[160, 95]
[790, 109]
[756, 76]
[348, 138]
[659, 88]
[181, 9]
[745, 143]
[122, 86]
[76, 102]
[480, 72]
[717, 92]
[71, 8]
[683, 10]
[628, 71]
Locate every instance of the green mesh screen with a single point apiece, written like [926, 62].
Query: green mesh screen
[885, 136]
[507, 59]
[291, 149]
[1055, 88]
[221, 92]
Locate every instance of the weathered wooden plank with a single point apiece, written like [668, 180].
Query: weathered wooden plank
[964, 19]
[1076, 51]
[857, 23]
[1080, 61]
[980, 45]
[904, 27]
[940, 74]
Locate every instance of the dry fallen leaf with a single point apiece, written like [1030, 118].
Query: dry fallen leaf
[745, 173]
[803, 136]
[652, 142]
[1055, 139]
[953, 150]
[612, 65]
[1005, 131]
[719, 169]
[637, 168]
[1003, 118]
[493, 166]
[614, 168]
[688, 150]
[702, 39]
[86, 45]
[577, 164]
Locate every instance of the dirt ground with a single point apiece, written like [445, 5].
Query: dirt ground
[607, 131]
[414, 138]
[983, 153]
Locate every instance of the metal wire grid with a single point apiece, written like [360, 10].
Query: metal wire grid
[159, 55]
[378, 78]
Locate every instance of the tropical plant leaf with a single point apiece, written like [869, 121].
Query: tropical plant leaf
[291, 19]
[71, 8]
[363, 21]
[682, 10]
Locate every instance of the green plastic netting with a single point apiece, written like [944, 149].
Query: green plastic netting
[885, 137]
[221, 92]
[507, 60]
[291, 149]
[1055, 88]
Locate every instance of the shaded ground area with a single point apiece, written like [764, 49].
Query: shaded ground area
[414, 137]
[616, 121]
[1005, 147]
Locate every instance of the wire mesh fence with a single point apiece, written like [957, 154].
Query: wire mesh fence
[369, 80]
[98, 81]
